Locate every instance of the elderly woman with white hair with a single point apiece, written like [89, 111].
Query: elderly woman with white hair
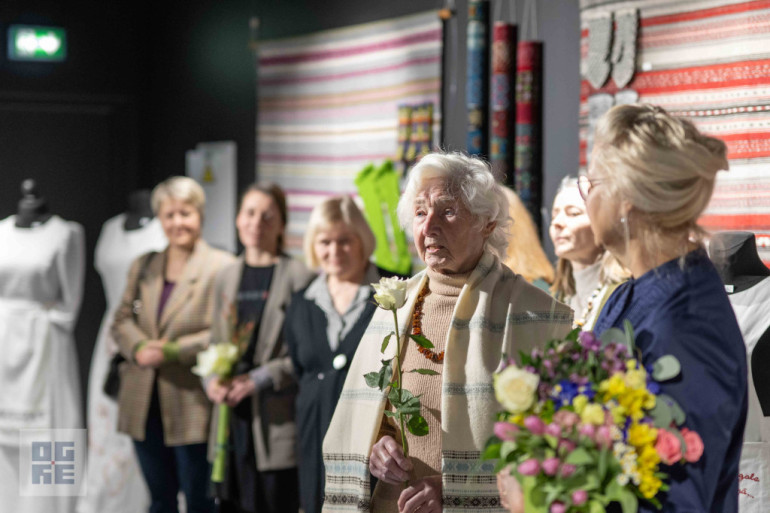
[474, 309]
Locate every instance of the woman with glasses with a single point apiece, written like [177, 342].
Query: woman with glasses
[650, 178]
[586, 274]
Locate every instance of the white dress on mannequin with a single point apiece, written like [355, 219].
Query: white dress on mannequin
[115, 483]
[41, 286]
[752, 309]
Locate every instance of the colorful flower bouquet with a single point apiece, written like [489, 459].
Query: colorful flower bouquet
[586, 424]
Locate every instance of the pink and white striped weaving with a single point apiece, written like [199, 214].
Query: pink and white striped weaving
[328, 105]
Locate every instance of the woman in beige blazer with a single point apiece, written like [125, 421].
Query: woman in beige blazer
[262, 459]
[162, 323]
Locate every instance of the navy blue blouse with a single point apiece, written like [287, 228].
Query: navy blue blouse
[685, 312]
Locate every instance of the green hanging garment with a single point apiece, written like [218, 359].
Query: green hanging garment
[379, 189]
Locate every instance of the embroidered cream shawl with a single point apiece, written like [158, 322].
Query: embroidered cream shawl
[497, 312]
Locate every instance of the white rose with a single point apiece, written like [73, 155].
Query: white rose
[390, 293]
[515, 389]
[216, 360]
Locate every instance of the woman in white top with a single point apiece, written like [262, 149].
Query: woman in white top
[586, 275]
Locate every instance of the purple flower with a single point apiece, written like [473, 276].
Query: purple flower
[505, 430]
[567, 470]
[551, 466]
[553, 430]
[536, 354]
[530, 369]
[589, 341]
[567, 445]
[579, 497]
[535, 425]
[531, 467]
[587, 430]
[603, 437]
[558, 507]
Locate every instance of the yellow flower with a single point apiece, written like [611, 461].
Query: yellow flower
[649, 485]
[515, 388]
[613, 387]
[631, 364]
[618, 415]
[579, 403]
[648, 458]
[633, 401]
[636, 379]
[593, 414]
[518, 419]
[640, 435]
[649, 401]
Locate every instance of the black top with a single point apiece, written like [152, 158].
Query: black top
[251, 298]
[320, 385]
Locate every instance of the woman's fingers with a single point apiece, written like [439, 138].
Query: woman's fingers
[388, 463]
[425, 496]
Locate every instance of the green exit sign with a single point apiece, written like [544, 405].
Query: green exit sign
[28, 43]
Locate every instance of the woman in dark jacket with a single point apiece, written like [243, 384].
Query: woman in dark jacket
[323, 326]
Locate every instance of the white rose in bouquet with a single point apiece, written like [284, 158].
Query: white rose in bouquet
[216, 360]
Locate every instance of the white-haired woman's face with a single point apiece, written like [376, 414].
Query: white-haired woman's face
[447, 237]
[570, 228]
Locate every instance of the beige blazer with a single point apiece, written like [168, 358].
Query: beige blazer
[186, 319]
[273, 424]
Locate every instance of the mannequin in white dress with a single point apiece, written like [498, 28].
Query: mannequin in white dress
[747, 281]
[115, 483]
[41, 286]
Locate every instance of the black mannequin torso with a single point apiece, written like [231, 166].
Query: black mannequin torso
[736, 258]
[139, 211]
[33, 208]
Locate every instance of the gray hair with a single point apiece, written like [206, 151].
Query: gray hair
[471, 180]
[182, 188]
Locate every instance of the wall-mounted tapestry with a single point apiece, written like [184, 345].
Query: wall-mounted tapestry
[328, 105]
[708, 60]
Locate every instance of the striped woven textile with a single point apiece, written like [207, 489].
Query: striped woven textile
[504, 38]
[328, 105]
[477, 78]
[708, 60]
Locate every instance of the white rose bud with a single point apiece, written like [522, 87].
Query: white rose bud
[390, 293]
[515, 389]
[216, 360]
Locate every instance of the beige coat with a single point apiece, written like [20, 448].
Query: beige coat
[186, 319]
[273, 424]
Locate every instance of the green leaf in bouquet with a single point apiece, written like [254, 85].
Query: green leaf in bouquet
[622, 495]
[579, 456]
[591, 482]
[552, 491]
[613, 336]
[422, 341]
[552, 441]
[604, 458]
[424, 372]
[391, 414]
[665, 368]
[678, 416]
[383, 376]
[491, 451]
[595, 507]
[507, 448]
[534, 499]
[629, 336]
[407, 404]
[386, 341]
[661, 414]
[572, 336]
[417, 424]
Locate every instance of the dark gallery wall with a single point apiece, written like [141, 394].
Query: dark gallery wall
[72, 126]
[143, 83]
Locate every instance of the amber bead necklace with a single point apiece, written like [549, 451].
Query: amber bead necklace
[417, 327]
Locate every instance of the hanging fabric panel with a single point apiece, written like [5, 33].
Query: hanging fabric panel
[477, 86]
[328, 105]
[704, 60]
[529, 126]
[503, 106]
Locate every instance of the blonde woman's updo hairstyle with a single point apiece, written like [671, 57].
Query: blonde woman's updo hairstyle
[469, 179]
[661, 164]
[338, 209]
[181, 188]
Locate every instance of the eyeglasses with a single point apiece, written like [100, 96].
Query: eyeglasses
[585, 185]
